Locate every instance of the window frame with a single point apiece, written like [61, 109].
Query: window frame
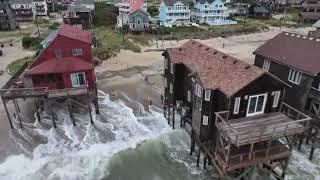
[205, 120]
[189, 96]
[171, 88]
[276, 98]
[166, 62]
[77, 52]
[236, 105]
[77, 75]
[295, 76]
[171, 68]
[266, 64]
[207, 95]
[198, 90]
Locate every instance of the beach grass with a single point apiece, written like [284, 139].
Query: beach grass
[14, 66]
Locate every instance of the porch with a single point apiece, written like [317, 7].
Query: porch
[255, 140]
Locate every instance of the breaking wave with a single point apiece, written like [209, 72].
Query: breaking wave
[83, 151]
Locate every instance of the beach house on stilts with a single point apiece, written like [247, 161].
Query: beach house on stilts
[63, 70]
[234, 110]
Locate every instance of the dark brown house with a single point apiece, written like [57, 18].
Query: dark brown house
[310, 12]
[294, 58]
[234, 109]
[7, 16]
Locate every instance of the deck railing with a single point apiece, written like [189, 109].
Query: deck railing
[280, 130]
[23, 92]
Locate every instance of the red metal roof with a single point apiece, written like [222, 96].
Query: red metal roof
[293, 50]
[63, 65]
[75, 33]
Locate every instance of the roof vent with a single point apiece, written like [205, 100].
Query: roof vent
[298, 36]
[304, 37]
[247, 67]
[224, 56]
[209, 68]
[200, 45]
[318, 40]
[215, 52]
[292, 35]
[235, 61]
[207, 49]
[311, 38]
[180, 49]
[287, 34]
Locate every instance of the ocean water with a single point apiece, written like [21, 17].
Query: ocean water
[125, 143]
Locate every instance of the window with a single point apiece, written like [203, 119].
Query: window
[236, 105]
[189, 96]
[78, 79]
[205, 120]
[165, 82]
[171, 68]
[276, 99]
[198, 90]
[295, 76]
[256, 104]
[266, 65]
[207, 95]
[77, 52]
[171, 88]
[58, 53]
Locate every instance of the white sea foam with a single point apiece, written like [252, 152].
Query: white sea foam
[84, 151]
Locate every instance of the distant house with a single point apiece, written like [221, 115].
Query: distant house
[233, 109]
[24, 10]
[310, 12]
[80, 13]
[174, 12]
[133, 15]
[7, 17]
[295, 3]
[315, 33]
[66, 62]
[294, 58]
[238, 9]
[210, 12]
[41, 7]
[256, 10]
[138, 20]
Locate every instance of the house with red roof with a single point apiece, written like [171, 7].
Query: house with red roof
[66, 62]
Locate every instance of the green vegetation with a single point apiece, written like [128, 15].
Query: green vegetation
[105, 14]
[31, 42]
[54, 26]
[13, 67]
[153, 10]
[57, 8]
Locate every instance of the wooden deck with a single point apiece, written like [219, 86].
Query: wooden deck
[241, 157]
[259, 128]
[83, 90]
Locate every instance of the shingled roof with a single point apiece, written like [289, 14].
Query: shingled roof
[294, 50]
[216, 70]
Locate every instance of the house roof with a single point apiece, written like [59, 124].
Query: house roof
[294, 50]
[139, 10]
[317, 24]
[172, 2]
[205, 1]
[216, 70]
[75, 33]
[20, 1]
[310, 15]
[54, 65]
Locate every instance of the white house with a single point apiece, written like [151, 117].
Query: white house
[174, 12]
[24, 10]
[211, 12]
[41, 7]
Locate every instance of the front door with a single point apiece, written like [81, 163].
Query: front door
[256, 104]
[78, 79]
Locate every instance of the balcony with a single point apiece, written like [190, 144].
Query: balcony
[314, 94]
[178, 11]
[251, 140]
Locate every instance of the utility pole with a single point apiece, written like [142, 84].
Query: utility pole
[122, 26]
[36, 22]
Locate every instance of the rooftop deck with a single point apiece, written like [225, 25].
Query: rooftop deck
[264, 127]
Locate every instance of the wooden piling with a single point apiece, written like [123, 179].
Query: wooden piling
[173, 117]
[284, 168]
[169, 115]
[53, 120]
[181, 125]
[204, 161]
[70, 111]
[198, 157]
[193, 142]
[17, 111]
[300, 142]
[7, 112]
[89, 107]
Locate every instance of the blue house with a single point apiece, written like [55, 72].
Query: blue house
[211, 12]
[139, 20]
[174, 12]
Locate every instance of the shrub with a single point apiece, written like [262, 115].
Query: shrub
[17, 64]
[54, 26]
[31, 42]
[153, 11]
